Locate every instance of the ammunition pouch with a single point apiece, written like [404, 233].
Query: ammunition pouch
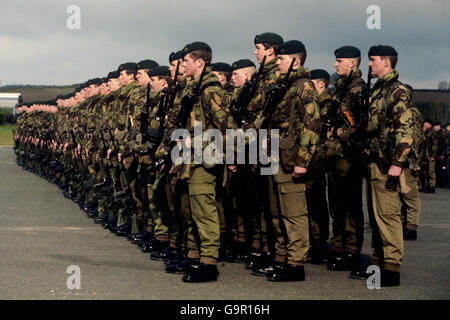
[288, 152]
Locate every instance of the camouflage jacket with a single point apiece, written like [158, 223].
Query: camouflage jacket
[431, 143]
[352, 97]
[299, 113]
[391, 122]
[268, 76]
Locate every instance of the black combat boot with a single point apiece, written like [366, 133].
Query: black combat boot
[338, 262]
[183, 266]
[409, 234]
[389, 278]
[168, 252]
[287, 273]
[203, 273]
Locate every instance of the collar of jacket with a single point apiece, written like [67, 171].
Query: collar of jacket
[356, 74]
[387, 79]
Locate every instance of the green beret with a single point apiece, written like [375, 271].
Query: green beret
[176, 56]
[194, 46]
[241, 64]
[347, 52]
[160, 71]
[382, 51]
[319, 74]
[146, 64]
[268, 37]
[129, 66]
[291, 47]
[113, 75]
[221, 67]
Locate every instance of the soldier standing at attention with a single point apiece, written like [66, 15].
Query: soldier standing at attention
[209, 109]
[346, 169]
[317, 185]
[390, 129]
[297, 118]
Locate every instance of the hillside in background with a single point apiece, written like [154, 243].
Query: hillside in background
[36, 93]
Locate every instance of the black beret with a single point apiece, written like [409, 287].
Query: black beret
[113, 75]
[291, 47]
[382, 51]
[176, 56]
[194, 46]
[447, 124]
[268, 37]
[347, 52]
[147, 64]
[436, 123]
[160, 71]
[95, 81]
[221, 67]
[127, 66]
[319, 74]
[428, 120]
[78, 89]
[243, 63]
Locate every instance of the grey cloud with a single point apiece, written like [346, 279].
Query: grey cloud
[40, 49]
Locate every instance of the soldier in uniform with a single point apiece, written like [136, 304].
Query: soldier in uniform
[390, 129]
[409, 179]
[440, 155]
[253, 200]
[446, 178]
[317, 184]
[428, 180]
[345, 166]
[297, 118]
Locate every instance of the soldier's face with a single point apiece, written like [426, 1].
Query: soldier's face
[142, 77]
[437, 127]
[190, 65]
[238, 78]
[260, 52]
[173, 68]
[157, 83]
[113, 84]
[379, 66]
[283, 63]
[343, 66]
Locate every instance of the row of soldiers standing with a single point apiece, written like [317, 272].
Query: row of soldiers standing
[109, 145]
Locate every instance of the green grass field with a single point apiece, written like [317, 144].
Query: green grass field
[6, 137]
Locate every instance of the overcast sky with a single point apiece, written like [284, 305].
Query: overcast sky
[36, 47]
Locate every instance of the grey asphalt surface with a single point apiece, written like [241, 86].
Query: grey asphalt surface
[42, 233]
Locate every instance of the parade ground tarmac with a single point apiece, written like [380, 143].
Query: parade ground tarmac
[43, 233]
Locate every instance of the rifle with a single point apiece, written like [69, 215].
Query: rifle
[238, 106]
[274, 96]
[187, 103]
[359, 139]
[330, 119]
[169, 93]
[125, 194]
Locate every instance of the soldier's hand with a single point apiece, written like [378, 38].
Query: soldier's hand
[432, 159]
[232, 168]
[329, 133]
[394, 171]
[119, 156]
[298, 172]
[108, 153]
